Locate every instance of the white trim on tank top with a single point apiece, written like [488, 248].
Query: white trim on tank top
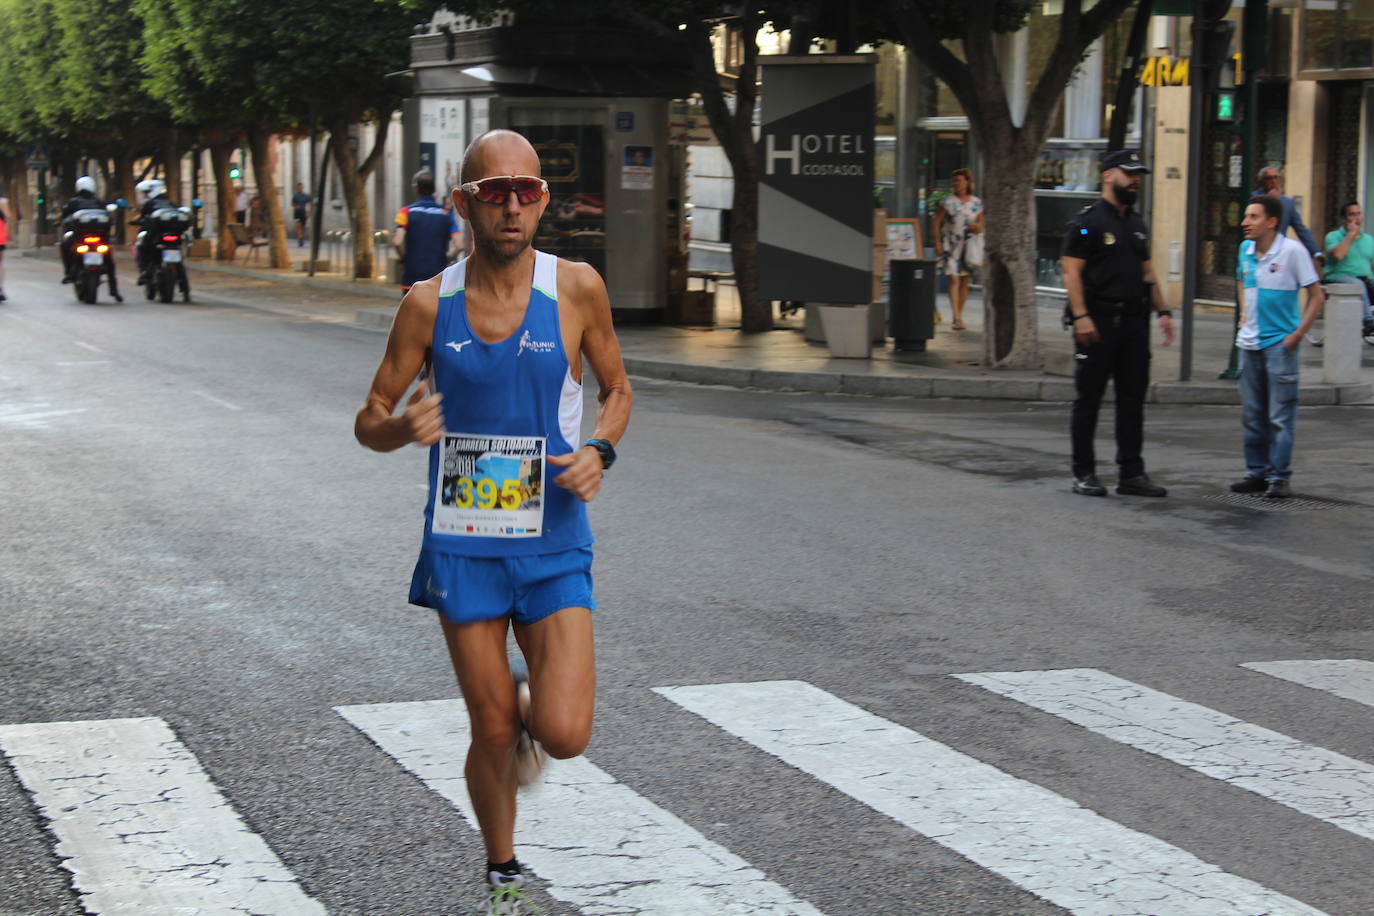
[546, 282]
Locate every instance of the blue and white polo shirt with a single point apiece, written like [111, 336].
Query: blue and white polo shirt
[1271, 291]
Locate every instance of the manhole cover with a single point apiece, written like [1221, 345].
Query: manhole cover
[1291, 504]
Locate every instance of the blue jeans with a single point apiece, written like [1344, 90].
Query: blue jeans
[1269, 399]
[1364, 294]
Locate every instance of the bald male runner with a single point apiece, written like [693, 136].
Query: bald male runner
[499, 340]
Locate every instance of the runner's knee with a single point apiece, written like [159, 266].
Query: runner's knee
[563, 741]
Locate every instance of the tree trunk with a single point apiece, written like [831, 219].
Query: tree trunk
[1012, 333]
[755, 314]
[355, 197]
[735, 132]
[264, 169]
[171, 165]
[221, 152]
[124, 187]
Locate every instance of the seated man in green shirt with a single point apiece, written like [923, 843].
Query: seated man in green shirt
[1352, 257]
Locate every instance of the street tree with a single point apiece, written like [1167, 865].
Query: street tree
[210, 61]
[973, 72]
[244, 69]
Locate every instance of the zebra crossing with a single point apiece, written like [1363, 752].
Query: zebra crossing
[142, 828]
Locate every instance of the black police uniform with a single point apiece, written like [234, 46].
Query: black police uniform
[84, 200]
[1117, 298]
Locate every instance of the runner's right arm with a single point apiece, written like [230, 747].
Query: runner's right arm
[378, 426]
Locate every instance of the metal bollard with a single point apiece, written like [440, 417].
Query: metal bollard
[381, 241]
[1344, 313]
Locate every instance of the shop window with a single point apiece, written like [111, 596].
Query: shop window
[1337, 35]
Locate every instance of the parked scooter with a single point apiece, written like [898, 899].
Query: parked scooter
[89, 240]
[167, 227]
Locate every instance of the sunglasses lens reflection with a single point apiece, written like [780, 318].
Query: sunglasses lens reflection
[499, 190]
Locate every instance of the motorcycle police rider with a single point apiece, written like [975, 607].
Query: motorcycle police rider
[154, 198]
[84, 199]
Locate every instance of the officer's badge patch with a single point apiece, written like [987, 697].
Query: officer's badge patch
[1108, 238]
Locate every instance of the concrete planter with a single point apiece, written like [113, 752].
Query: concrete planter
[847, 331]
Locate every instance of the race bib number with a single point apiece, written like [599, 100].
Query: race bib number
[490, 486]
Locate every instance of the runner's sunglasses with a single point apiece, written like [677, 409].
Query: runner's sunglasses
[498, 189]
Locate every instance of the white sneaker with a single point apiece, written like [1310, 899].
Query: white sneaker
[506, 896]
[530, 758]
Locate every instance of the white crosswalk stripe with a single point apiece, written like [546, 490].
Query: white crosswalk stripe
[1039, 840]
[1318, 782]
[1350, 678]
[144, 830]
[140, 825]
[601, 846]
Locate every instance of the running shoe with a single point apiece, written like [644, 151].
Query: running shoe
[529, 756]
[506, 897]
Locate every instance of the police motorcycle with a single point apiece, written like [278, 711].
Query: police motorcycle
[161, 256]
[88, 240]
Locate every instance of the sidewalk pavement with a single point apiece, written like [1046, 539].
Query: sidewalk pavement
[781, 359]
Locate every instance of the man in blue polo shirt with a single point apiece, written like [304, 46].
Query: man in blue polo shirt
[426, 236]
[1272, 269]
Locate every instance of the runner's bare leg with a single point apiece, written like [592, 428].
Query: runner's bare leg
[478, 652]
[562, 662]
[560, 656]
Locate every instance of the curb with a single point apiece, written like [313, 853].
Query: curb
[1010, 389]
[1050, 387]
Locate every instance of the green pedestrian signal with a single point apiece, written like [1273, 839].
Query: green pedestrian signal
[1226, 106]
[235, 172]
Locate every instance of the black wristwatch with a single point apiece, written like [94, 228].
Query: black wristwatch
[1164, 313]
[605, 450]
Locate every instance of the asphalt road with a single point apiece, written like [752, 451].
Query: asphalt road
[191, 533]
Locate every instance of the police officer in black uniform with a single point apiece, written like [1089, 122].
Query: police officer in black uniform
[1112, 290]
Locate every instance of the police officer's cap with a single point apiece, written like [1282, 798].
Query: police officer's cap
[1123, 159]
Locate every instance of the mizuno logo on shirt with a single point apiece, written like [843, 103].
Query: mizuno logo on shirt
[458, 347]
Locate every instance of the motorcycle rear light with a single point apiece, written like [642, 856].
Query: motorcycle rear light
[82, 249]
[171, 238]
[102, 248]
[91, 239]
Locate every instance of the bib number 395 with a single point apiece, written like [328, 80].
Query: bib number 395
[484, 494]
[489, 486]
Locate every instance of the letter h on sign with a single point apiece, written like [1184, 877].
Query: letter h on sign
[771, 152]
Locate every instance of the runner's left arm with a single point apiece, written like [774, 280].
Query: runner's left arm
[602, 351]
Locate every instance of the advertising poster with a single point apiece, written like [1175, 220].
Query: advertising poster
[816, 183]
[637, 168]
[490, 486]
[443, 140]
[572, 157]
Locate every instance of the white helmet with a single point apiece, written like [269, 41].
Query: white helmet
[151, 187]
[86, 183]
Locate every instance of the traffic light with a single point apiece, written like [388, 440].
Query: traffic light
[235, 172]
[1226, 105]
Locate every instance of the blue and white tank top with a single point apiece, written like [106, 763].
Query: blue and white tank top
[507, 406]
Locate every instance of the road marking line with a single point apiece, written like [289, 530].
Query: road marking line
[140, 825]
[214, 400]
[1318, 782]
[601, 846]
[84, 362]
[32, 414]
[1043, 842]
[1349, 678]
[91, 347]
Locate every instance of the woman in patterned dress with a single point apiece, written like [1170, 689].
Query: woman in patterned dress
[960, 215]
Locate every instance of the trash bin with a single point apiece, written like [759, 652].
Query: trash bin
[911, 303]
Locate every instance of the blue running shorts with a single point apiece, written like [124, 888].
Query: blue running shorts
[527, 589]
